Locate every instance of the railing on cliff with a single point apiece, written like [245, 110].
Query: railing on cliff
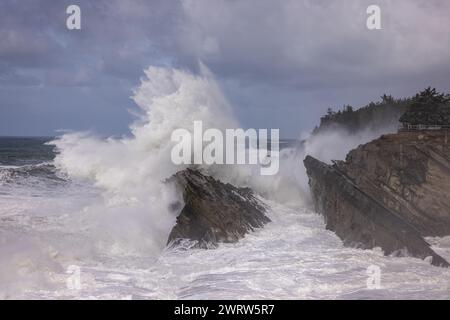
[418, 127]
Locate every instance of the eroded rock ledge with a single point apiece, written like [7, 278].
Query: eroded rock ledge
[213, 211]
[389, 193]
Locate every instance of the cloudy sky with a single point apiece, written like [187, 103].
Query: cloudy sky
[281, 64]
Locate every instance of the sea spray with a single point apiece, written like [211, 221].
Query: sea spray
[114, 231]
[134, 215]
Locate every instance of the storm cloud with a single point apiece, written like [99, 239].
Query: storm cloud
[280, 63]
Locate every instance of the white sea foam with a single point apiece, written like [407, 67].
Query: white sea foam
[112, 218]
[134, 212]
[293, 257]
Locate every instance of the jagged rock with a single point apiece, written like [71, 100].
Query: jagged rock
[214, 212]
[389, 193]
[409, 172]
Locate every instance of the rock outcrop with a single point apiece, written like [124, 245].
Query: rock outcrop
[389, 193]
[214, 212]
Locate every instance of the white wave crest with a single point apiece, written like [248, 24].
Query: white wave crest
[131, 171]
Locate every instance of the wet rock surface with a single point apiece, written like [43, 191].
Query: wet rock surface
[213, 211]
[389, 193]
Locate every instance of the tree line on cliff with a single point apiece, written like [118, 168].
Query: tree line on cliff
[383, 113]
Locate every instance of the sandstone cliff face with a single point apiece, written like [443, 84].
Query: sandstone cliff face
[214, 212]
[389, 193]
[409, 173]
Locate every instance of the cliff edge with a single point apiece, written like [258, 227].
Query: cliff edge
[389, 193]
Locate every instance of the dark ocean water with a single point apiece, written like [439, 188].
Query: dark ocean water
[50, 223]
[26, 164]
[18, 151]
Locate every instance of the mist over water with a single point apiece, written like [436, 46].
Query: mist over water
[103, 205]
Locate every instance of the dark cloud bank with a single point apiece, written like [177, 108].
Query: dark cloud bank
[280, 63]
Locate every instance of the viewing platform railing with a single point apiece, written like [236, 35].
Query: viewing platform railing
[417, 127]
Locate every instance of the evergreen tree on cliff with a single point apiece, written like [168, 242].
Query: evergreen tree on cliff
[428, 108]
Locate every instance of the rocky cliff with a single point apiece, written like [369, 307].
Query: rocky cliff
[214, 212]
[389, 193]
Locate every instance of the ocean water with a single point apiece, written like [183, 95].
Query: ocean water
[83, 217]
[43, 237]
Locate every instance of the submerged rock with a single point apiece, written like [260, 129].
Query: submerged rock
[389, 193]
[213, 211]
